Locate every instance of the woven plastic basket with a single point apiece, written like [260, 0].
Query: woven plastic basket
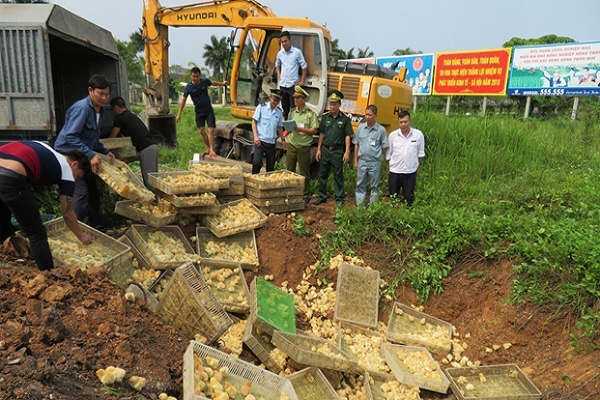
[236, 188]
[245, 240]
[115, 143]
[274, 193]
[264, 384]
[311, 384]
[157, 179]
[366, 352]
[260, 344]
[271, 308]
[502, 382]
[404, 326]
[274, 180]
[189, 305]
[125, 209]
[211, 209]
[373, 382]
[226, 290]
[122, 180]
[314, 351]
[139, 236]
[193, 200]
[403, 373]
[114, 252]
[357, 299]
[233, 228]
[216, 170]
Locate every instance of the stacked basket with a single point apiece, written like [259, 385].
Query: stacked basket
[276, 191]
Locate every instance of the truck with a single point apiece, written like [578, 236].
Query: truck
[48, 55]
[255, 41]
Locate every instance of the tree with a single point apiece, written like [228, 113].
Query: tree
[406, 52]
[364, 53]
[134, 63]
[546, 39]
[216, 56]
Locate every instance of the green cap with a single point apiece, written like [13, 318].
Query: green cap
[335, 96]
[298, 91]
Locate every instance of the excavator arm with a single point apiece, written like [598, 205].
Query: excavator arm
[156, 20]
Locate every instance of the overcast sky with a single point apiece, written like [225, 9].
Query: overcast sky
[382, 25]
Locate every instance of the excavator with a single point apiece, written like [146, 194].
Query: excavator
[255, 41]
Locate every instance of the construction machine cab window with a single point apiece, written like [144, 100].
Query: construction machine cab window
[257, 74]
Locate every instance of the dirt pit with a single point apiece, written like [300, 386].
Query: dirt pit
[57, 328]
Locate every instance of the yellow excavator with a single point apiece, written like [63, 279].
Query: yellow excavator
[255, 40]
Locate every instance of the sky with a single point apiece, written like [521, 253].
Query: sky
[382, 25]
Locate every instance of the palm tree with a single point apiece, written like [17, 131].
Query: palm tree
[364, 53]
[216, 56]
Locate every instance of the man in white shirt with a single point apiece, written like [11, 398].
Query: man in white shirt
[289, 61]
[406, 151]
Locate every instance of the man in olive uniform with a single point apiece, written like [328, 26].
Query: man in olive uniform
[301, 137]
[335, 132]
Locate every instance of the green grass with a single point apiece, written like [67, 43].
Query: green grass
[495, 188]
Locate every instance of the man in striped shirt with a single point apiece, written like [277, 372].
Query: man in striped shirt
[27, 163]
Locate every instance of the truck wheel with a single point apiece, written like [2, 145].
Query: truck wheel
[218, 143]
[225, 149]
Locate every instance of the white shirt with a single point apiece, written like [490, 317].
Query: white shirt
[404, 152]
[289, 63]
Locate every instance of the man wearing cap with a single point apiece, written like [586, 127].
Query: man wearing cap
[289, 60]
[301, 137]
[370, 144]
[266, 123]
[335, 131]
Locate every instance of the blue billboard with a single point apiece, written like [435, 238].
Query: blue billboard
[419, 70]
[569, 69]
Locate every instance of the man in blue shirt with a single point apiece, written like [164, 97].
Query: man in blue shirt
[289, 61]
[371, 143]
[266, 124]
[82, 129]
[198, 89]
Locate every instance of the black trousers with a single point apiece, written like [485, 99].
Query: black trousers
[16, 198]
[268, 150]
[86, 201]
[287, 101]
[406, 182]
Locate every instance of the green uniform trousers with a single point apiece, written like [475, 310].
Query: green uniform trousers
[331, 159]
[301, 156]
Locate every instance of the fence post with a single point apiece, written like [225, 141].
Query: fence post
[527, 105]
[448, 106]
[575, 107]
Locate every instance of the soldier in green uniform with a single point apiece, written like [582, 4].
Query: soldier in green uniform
[301, 137]
[335, 132]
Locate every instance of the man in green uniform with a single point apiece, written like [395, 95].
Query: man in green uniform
[301, 137]
[335, 132]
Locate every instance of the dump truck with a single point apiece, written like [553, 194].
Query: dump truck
[255, 41]
[47, 56]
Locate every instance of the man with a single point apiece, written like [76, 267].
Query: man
[300, 139]
[82, 129]
[371, 143]
[266, 125]
[198, 89]
[23, 164]
[555, 80]
[131, 126]
[289, 60]
[335, 131]
[405, 154]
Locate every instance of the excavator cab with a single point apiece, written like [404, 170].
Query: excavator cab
[254, 68]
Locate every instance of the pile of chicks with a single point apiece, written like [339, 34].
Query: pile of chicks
[168, 248]
[232, 339]
[212, 382]
[226, 284]
[434, 334]
[118, 178]
[69, 249]
[394, 390]
[366, 348]
[419, 363]
[231, 250]
[235, 215]
[285, 177]
[184, 179]
[217, 170]
[162, 209]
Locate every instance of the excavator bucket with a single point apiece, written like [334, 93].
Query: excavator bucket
[162, 127]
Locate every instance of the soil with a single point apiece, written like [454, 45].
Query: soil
[57, 328]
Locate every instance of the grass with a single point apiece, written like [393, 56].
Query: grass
[495, 187]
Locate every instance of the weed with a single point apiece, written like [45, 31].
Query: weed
[300, 228]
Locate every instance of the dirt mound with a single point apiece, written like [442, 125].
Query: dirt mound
[57, 328]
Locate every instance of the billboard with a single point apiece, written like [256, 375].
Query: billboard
[419, 70]
[472, 73]
[556, 70]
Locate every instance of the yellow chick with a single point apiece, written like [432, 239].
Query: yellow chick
[250, 397]
[230, 389]
[106, 377]
[130, 297]
[220, 396]
[246, 389]
[119, 373]
[137, 383]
